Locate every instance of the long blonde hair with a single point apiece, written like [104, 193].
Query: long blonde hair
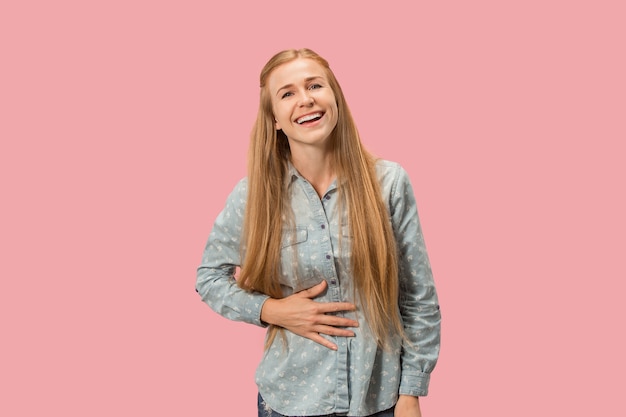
[373, 257]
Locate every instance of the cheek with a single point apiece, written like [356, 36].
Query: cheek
[335, 108]
[279, 112]
[275, 115]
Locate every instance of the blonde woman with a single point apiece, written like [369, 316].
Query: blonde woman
[331, 257]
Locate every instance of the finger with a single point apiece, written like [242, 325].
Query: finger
[333, 331]
[320, 340]
[335, 321]
[335, 307]
[314, 291]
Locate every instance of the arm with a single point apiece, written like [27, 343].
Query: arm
[216, 285]
[419, 305]
[216, 274]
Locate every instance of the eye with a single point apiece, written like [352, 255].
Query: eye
[287, 94]
[315, 86]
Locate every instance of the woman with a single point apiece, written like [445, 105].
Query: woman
[331, 254]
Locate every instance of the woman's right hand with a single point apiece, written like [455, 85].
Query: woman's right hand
[299, 314]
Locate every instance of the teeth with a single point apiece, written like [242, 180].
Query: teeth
[308, 117]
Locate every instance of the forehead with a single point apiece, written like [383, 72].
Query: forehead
[294, 72]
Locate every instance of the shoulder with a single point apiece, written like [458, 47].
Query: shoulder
[384, 166]
[390, 174]
[239, 193]
[241, 186]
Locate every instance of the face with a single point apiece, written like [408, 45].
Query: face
[304, 105]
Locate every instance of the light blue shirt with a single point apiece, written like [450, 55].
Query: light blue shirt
[305, 378]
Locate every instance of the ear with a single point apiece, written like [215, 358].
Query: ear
[277, 125]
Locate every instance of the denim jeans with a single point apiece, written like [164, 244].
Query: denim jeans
[265, 411]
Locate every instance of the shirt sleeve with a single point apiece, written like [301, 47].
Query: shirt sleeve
[215, 280]
[419, 306]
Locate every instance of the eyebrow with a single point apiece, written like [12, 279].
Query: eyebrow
[306, 80]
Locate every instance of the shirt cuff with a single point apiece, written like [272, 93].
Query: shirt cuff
[254, 309]
[414, 383]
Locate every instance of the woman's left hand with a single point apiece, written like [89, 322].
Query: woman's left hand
[407, 406]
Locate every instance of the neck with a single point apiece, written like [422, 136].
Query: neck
[316, 167]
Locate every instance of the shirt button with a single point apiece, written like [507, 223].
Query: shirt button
[333, 281]
[327, 256]
[323, 226]
[328, 197]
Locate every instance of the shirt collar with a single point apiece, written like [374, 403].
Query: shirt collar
[293, 174]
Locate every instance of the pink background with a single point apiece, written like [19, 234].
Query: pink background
[124, 124]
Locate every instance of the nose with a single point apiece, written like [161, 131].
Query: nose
[306, 99]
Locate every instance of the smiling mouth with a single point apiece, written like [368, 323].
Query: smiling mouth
[309, 118]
